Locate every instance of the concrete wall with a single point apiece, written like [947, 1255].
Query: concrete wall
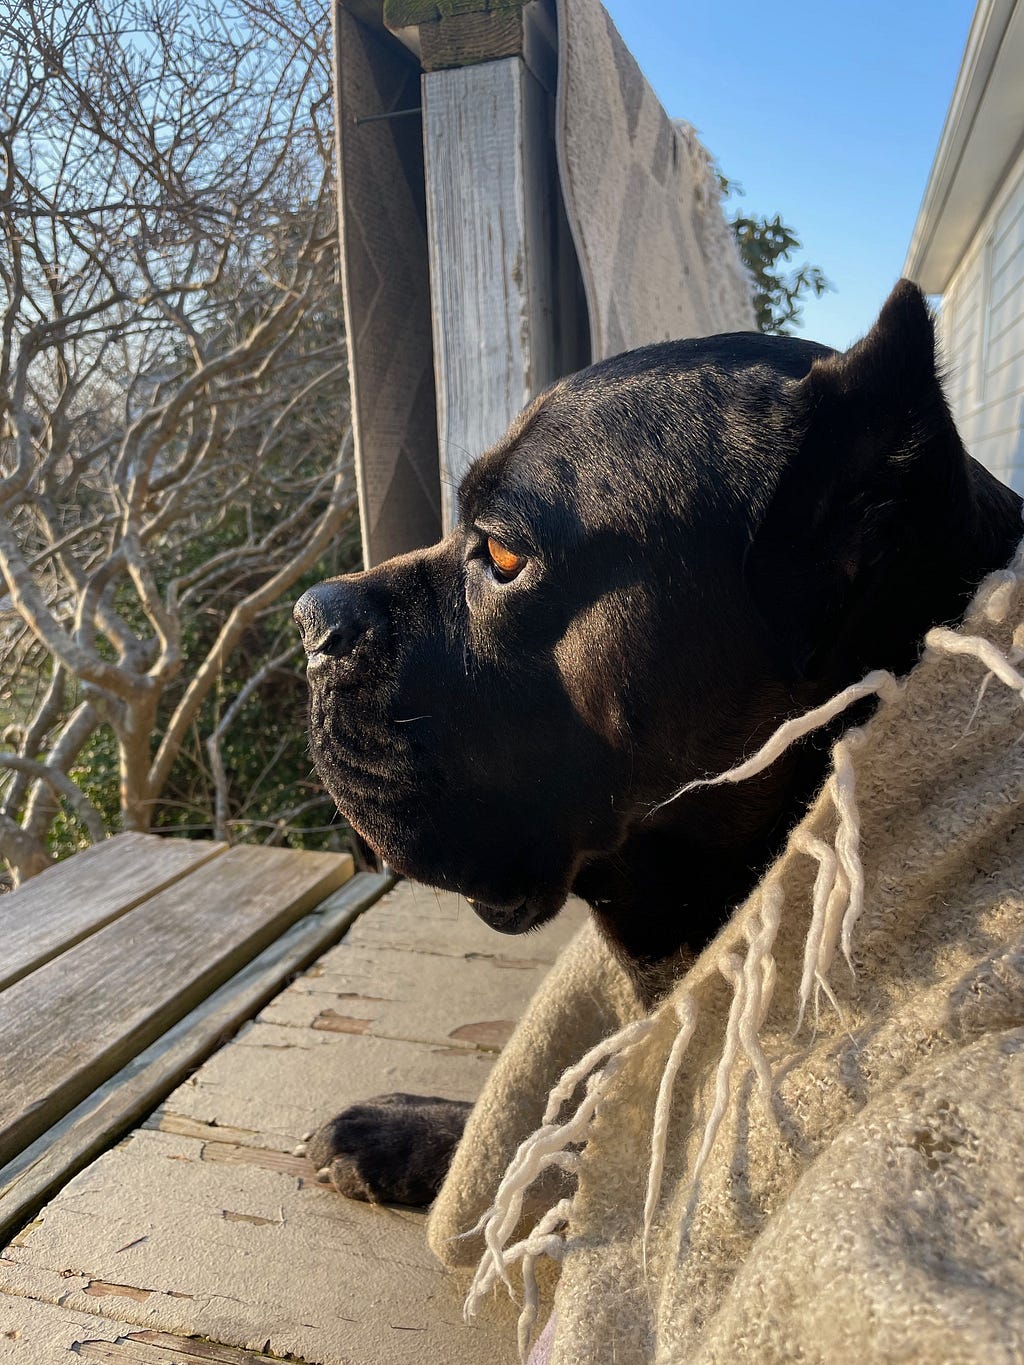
[982, 330]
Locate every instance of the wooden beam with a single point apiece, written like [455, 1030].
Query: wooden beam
[366, 11]
[385, 286]
[473, 31]
[401, 13]
[491, 217]
[467, 39]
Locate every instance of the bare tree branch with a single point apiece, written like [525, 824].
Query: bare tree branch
[172, 392]
[63, 786]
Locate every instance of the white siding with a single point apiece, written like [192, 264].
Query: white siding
[982, 330]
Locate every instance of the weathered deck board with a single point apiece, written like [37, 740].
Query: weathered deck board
[376, 991]
[163, 1348]
[73, 899]
[204, 1222]
[109, 1111]
[41, 1333]
[35, 1333]
[69, 1025]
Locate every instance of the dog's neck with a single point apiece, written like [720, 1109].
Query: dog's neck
[671, 887]
[662, 897]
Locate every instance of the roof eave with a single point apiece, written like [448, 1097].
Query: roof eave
[980, 138]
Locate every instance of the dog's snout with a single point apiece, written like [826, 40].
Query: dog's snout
[334, 618]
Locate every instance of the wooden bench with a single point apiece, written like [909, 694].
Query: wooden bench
[201, 1236]
[122, 968]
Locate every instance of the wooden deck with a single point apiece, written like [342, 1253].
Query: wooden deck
[199, 1236]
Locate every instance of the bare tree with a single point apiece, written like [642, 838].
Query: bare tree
[172, 410]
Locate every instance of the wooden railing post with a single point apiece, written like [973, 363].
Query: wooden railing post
[498, 246]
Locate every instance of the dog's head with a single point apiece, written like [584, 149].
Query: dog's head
[668, 552]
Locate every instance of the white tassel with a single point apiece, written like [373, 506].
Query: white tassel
[731, 968]
[1001, 587]
[544, 1148]
[844, 797]
[542, 1241]
[949, 642]
[835, 910]
[686, 1012]
[758, 983]
[824, 882]
[879, 683]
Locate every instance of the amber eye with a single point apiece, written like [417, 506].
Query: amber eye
[505, 562]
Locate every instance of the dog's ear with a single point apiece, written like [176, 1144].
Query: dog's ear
[873, 436]
[885, 375]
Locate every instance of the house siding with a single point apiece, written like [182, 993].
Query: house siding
[982, 332]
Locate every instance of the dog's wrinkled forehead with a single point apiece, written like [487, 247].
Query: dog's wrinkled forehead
[683, 424]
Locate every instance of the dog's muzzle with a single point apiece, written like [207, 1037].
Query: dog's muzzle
[339, 624]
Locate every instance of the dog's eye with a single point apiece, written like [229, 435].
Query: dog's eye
[505, 562]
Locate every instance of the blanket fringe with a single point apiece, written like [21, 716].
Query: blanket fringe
[544, 1148]
[837, 903]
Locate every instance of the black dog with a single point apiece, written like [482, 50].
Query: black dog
[668, 554]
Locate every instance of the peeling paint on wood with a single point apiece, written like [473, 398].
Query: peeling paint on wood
[232, 1153]
[231, 1216]
[519, 964]
[26, 1232]
[489, 1033]
[333, 1022]
[162, 1348]
[101, 1289]
[165, 1122]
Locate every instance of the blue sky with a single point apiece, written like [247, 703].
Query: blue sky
[828, 114]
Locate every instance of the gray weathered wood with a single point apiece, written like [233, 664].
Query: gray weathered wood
[73, 899]
[474, 36]
[205, 1221]
[385, 286]
[488, 156]
[147, 1079]
[166, 1348]
[465, 39]
[69, 1025]
[401, 13]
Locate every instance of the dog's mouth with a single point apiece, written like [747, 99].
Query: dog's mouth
[516, 918]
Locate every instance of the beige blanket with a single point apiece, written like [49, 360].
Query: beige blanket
[812, 1150]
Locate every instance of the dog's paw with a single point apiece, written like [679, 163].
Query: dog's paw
[392, 1149]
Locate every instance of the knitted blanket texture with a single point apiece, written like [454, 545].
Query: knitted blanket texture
[811, 1149]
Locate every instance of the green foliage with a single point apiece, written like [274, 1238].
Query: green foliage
[273, 791]
[96, 773]
[765, 244]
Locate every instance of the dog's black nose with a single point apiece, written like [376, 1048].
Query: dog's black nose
[336, 617]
